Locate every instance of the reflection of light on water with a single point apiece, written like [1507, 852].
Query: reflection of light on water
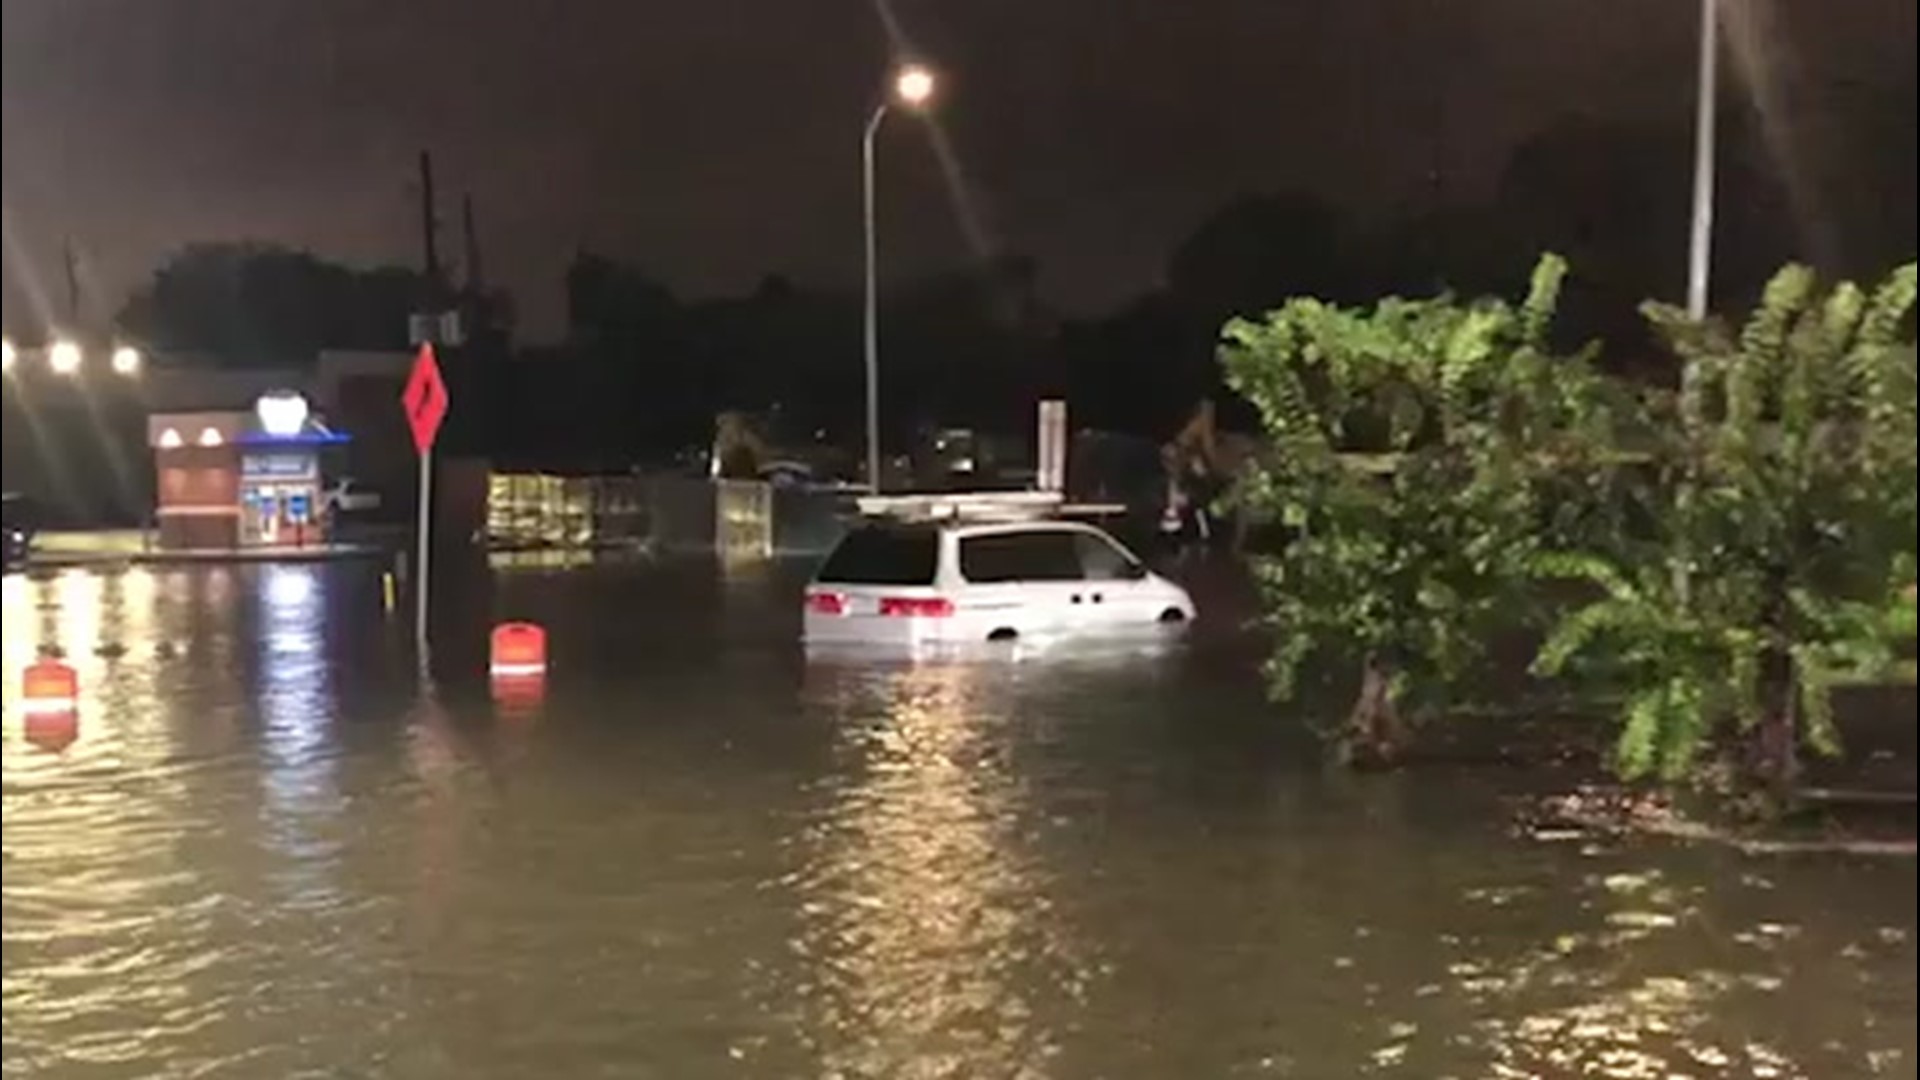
[105, 917]
[289, 587]
[19, 638]
[1133, 654]
[219, 586]
[924, 926]
[435, 760]
[62, 613]
[139, 607]
[78, 592]
[1622, 1025]
[296, 713]
[541, 559]
[126, 609]
[94, 620]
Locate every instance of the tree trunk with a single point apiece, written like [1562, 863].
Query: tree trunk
[1776, 740]
[1375, 733]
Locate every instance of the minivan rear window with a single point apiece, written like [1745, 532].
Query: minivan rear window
[884, 555]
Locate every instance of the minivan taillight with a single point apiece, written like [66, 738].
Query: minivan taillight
[912, 607]
[826, 603]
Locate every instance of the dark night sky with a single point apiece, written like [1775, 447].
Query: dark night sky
[714, 141]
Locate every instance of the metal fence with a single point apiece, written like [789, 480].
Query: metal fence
[532, 511]
[680, 514]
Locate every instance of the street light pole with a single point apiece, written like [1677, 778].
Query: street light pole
[1700, 260]
[912, 87]
[873, 301]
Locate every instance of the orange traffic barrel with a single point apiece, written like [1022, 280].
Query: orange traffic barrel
[48, 687]
[519, 650]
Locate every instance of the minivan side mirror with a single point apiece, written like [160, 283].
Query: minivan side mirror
[1133, 571]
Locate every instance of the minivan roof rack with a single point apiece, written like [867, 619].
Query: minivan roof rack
[982, 506]
[964, 506]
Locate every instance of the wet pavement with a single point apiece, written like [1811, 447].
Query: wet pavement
[265, 851]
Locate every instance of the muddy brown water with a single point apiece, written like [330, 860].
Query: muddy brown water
[265, 851]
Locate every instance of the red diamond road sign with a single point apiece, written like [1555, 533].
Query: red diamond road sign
[425, 400]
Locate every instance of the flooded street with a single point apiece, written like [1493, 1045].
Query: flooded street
[263, 851]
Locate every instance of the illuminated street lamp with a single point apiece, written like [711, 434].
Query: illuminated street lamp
[64, 358]
[7, 355]
[913, 87]
[127, 360]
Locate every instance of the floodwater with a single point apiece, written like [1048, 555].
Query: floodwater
[264, 851]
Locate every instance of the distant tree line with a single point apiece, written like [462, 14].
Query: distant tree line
[642, 372]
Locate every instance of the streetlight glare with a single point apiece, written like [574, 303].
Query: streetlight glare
[127, 360]
[64, 358]
[7, 355]
[914, 85]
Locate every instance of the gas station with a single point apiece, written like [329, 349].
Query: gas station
[253, 479]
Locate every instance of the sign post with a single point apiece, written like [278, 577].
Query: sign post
[425, 400]
[1052, 471]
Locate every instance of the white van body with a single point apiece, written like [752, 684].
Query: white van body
[960, 581]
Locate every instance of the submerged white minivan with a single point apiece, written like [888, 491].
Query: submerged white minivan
[969, 575]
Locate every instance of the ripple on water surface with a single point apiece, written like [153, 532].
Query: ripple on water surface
[263, 852]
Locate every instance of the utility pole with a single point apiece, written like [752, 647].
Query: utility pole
[429, 227]
[476, 279]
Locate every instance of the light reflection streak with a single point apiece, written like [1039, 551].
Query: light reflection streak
[1762, 50]
[434, 759]
[104, 918]
[78, 594]
[1635, 1020]
[927, 931]
[139, 594]
[19, 632]
[103, 625]
[128, 617]
[967, 210]
[296, 715]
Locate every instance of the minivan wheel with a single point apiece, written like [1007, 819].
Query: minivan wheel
[1005, 633]
[1173, 615]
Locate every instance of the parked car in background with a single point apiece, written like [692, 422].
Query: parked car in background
[348, 498]
[787, 474]
[19, 525]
